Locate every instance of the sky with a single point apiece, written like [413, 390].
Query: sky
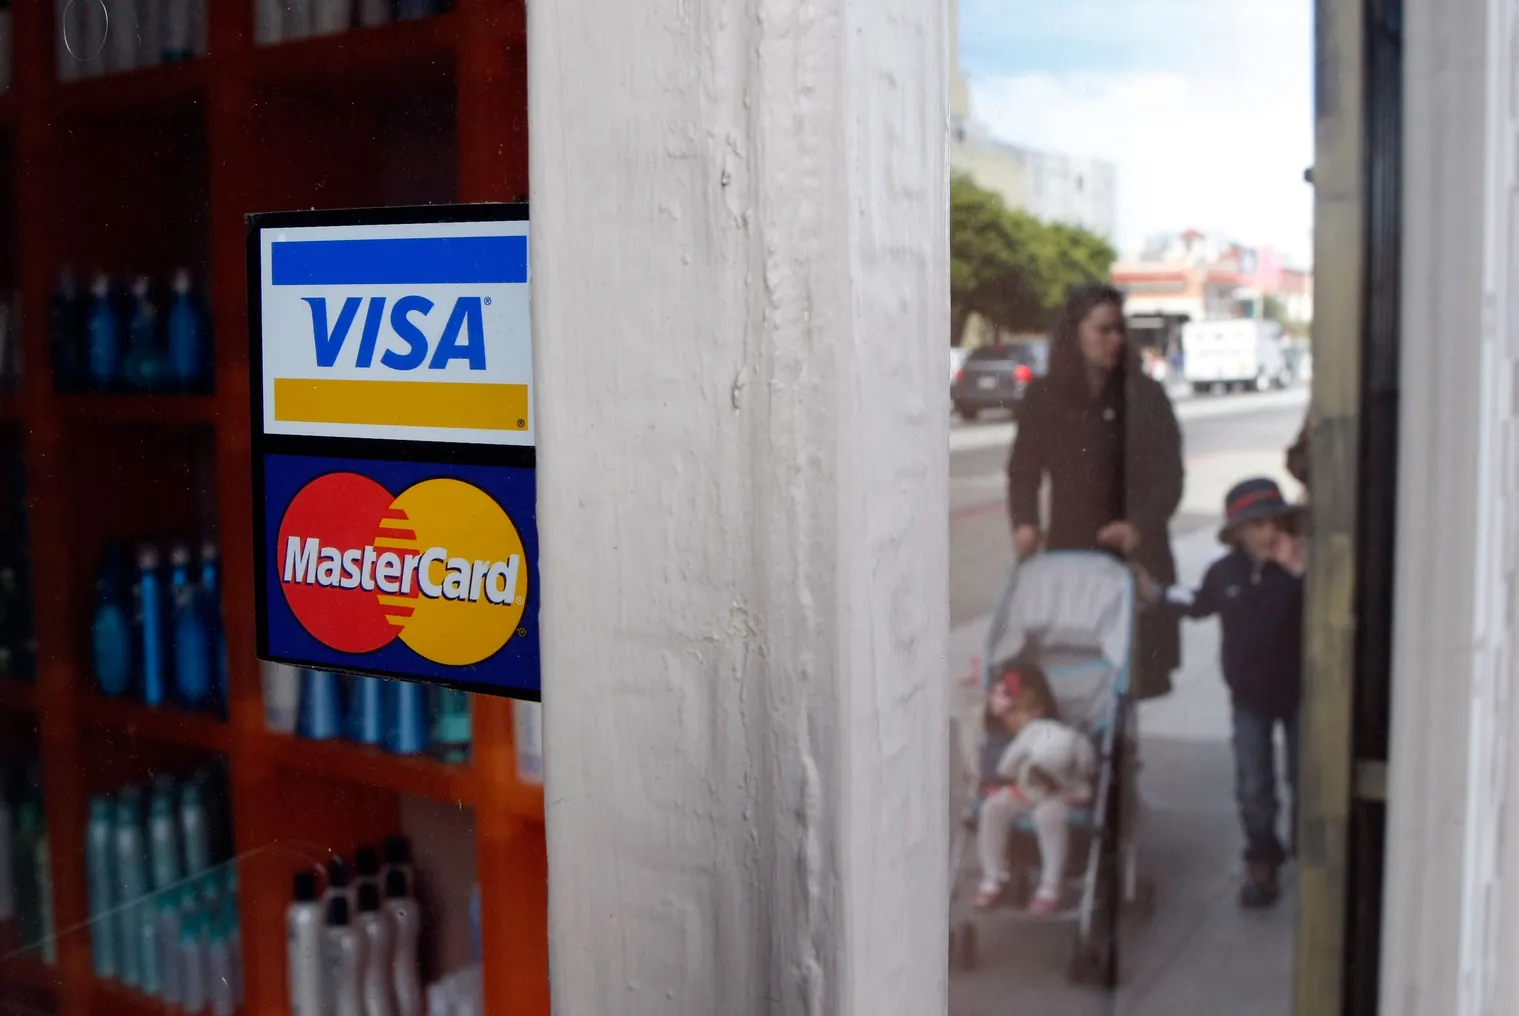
[1205, 106]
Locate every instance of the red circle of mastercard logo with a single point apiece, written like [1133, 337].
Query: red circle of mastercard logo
[439, 566]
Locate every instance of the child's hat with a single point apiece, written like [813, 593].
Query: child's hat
[1249, 500]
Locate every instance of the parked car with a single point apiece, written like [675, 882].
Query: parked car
[996, 376]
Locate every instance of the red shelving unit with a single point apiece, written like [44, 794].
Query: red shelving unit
[156, 168]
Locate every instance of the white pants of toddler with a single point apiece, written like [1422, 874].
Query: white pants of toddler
[999, 812]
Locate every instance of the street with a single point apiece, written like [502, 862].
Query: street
[1199, 955]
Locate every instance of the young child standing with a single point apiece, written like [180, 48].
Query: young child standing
[1032, 765]
[1255, 588]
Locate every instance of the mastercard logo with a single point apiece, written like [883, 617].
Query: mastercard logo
[439, 566]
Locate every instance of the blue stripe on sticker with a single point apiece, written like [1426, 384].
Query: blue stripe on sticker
[405, 261]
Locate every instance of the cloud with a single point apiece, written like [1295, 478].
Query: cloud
[1205, 108]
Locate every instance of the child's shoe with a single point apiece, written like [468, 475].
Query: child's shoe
[1260, 889]
[989, 892]
[1045, 903]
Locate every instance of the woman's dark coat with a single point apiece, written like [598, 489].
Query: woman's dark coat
[1114, 457]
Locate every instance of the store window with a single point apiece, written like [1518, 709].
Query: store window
[183, 828]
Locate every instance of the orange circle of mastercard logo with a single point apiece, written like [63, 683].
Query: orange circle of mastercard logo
[439, 566]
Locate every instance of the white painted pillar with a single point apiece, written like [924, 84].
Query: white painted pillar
[740, 302]
[1451, 904]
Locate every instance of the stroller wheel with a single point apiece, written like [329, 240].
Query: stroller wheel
[1092, 963]
[962, 946]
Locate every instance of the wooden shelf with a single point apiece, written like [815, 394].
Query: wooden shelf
[398, 52]
[24, 972]
[416, 775]
[166, 88]
[17, 696]
[163, 409]
[12, 405]
[119, 1000]
[165, 723]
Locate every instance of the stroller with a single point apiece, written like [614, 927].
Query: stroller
[1074, 613]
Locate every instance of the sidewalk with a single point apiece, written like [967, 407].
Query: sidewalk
[1200, 955]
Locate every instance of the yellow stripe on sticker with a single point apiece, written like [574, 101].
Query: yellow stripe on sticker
[464, 406]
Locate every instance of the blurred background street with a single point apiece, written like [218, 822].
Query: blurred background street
[1200, 955]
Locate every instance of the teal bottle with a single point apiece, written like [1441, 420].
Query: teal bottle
[192, 644]
[100, 864]
[111, 629]
[188, 352]
[142, 369]
[102, 338]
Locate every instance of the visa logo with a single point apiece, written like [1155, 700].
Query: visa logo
[407, 345]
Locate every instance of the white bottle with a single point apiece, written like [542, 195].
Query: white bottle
[178, 31]
[343, 958]
[406, 926]
[299, 18]
[527, 719]
[373, 12]
[333, 16]
[121, 35]
[66, 19]
[268, 28]
[303, 946]
[379, 950]
[90, 45]
[282, 697]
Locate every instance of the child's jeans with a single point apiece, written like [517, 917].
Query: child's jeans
[998, 813]
[1255, 781]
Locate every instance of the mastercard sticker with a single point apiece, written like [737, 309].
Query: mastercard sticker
[390, 568]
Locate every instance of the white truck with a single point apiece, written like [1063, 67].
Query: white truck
[1247, 353]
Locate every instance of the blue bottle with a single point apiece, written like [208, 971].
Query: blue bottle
[142, 369]
[321, 716]
[103, 337]
[406, 732]
[211, 615]
[188, 355]
[152, 630]
[192, 644]
[66, 333]
[111, 630]
[366, 722]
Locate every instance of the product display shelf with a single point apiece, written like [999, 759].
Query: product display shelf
[150, 89]
[449, 93]
[17, 696]
[417, 776]
[12, 405]
[159, 723]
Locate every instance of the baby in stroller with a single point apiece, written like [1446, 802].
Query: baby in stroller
[1031, 765]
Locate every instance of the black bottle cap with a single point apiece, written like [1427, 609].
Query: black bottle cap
[398, 850]
[369, 898]
[395, 885]
[337, 873]
[337, 912]
[368, 862]
[305, 886]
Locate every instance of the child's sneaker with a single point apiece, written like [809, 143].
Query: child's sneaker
[1045, 903]
[1260, 889]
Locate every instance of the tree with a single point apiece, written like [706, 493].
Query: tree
[1011, 268]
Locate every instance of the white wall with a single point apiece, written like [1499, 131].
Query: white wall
[740, 237]
[1449, 925]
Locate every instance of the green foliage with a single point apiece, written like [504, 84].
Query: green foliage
[1009, 267]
